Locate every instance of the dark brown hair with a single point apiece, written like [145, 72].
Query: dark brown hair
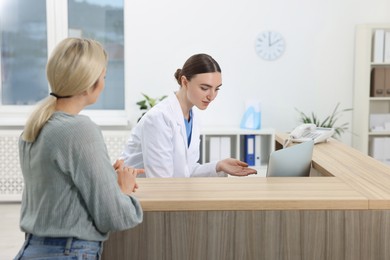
[197, 64]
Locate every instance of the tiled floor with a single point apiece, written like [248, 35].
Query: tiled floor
[11, 238]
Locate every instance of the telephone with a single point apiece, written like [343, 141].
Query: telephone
[306, 132]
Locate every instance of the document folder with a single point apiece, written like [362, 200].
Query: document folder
[378, 82]
[250, 150]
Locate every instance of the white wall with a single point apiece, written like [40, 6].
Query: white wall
[314, 74]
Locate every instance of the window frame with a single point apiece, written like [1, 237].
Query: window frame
[57, 30]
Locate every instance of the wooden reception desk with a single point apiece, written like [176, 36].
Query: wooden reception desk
[345, 215]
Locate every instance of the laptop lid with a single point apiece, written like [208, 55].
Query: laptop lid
[293, 161]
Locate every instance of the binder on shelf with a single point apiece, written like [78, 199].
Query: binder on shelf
[220, 148]
[250, 150]
[386, 56]
[378, 148]
[378, 82]
[379, 41]
[378, 121]
[257, 150]
[225, 147]
[214, 150]
[386, 154]
[387, 81]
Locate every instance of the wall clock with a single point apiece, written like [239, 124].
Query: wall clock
[270, 45]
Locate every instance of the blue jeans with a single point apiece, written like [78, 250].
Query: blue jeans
[52, 248]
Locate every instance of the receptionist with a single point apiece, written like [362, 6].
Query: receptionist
[166, 140]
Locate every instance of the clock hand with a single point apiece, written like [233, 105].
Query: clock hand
[278, 40]
[269, 39]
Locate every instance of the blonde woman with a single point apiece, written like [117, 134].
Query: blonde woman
[73, 197]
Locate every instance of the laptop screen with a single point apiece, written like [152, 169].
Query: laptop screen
[292, 161]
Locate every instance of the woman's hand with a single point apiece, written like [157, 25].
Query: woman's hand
[126, 177]
[234, 167]
[119, 164]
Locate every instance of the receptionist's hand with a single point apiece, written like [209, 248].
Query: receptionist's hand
[234, 167]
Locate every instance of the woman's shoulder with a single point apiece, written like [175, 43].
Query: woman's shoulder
[78, 125]
[68, 119]
[163, 109]
[157, 115]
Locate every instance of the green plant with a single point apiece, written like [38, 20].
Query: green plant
[328, 122]
[147, 103]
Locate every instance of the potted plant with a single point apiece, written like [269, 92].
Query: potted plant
[328, 122]
[147, 103]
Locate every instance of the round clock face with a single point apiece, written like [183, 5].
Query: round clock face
[270, 45]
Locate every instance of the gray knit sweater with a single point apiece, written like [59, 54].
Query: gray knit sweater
[70, 186]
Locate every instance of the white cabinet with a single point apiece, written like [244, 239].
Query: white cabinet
[367, 103]
[221, 143]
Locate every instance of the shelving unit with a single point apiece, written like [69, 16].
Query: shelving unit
[237, 144]
[365, 104]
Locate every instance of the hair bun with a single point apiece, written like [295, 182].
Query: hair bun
[178, 75]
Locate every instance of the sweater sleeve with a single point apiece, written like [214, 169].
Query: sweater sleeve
[96, 181]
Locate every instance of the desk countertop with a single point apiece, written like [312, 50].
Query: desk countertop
[354, 181]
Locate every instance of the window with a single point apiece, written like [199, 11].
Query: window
[31, 29]
[104, 23]
[23, 52]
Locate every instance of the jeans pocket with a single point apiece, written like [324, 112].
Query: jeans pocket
[86, 256]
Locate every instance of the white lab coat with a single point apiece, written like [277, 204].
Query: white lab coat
[158, 144]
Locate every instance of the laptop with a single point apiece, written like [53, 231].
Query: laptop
[293, 161]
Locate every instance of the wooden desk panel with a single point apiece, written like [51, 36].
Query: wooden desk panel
[366, 175]
[345, 217]
[254, 235]
[248, 194]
